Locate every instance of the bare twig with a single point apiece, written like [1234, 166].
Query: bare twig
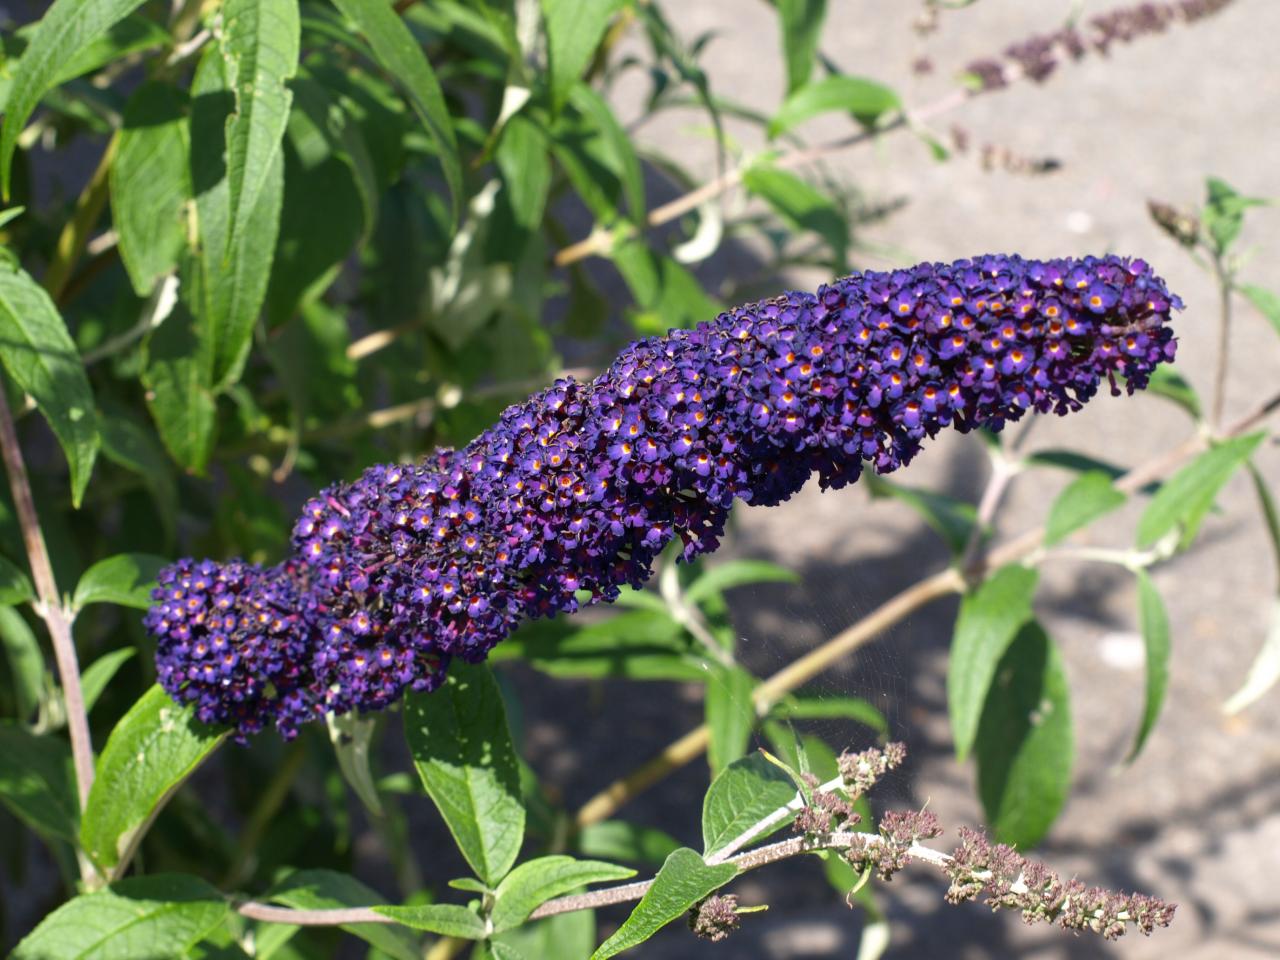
[49, 602]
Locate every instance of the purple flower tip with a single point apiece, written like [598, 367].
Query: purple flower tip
[580, 487]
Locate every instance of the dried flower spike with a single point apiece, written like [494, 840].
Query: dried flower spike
[574, 492]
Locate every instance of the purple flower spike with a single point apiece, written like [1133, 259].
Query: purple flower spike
[574, 492]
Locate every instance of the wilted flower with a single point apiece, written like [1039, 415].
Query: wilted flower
[574, 493]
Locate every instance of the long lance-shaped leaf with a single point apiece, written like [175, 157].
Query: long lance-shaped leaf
[67, 27]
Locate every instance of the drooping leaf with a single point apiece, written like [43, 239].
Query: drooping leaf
[150, 753]
[126, 579]
[39, 355]
[15, 585]
[1154, 621]
[66, 28]
[151, 183]
[1264, 672]
[990, 617]
[684, 879]
[622, 840]
[864, 99]
[1088, 497]
[951, 519]
[400, 55]
[462, 748]
[803, 207]
[731, 715]
[1025, 743]
[532, 884]
[158, 917]
[574, 29]
[26, 662]
[1187, 496]
[744, 793]
[801, 28]
[37, 783]
[1173, 386]
[99, 673]
[329, 890]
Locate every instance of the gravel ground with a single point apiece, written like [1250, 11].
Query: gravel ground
[1197, 818]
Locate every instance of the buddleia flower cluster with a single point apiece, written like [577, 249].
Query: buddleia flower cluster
[574, 492]
[1038, 56]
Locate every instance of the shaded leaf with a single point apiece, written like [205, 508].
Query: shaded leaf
[1168, 383]
[43, 361]
[462, 748]
[126, 579]
[731, 715]
[990, 617]
[179, 395]
[329, 890]
[683, 880]
[37, 783]
[621, 840]
[15, 585]
[1025, 744]
[26, 662]
[949, 518]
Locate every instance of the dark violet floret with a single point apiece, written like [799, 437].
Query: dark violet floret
[574, 493]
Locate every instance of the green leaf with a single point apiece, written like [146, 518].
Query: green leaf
[1223, 213]
[143, 918]
[151, 184]
[801, 707]
[865, 99]
[616, 142]
[462, 748]
[329, 890]
[1154, 621]
[574, 29]
[683, 880]
[37, 783]
[401, 56]
[1025, 743]
[237, 212]
[1187, 496]
[99, 673]
[949, 518]
[150, 753]
[1264, 672]
[637, 644]
[564, 935]
[801, 28]
[802, 206]
[260, 42]
[731, 715]
[26, 662]
[990, 617]
[179, 394]
[126, 579]
[15, 585]
[1088, 497]
[744, 793]
[42, 360]
[66, 28]
[1265, 301]
[621, 840]
[351, 735]
[526, 171]
[532, 884]
[1074, 462]
[1168, 383]
[736, 573]
[129, 444]
[446, 919]
[668, 294]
